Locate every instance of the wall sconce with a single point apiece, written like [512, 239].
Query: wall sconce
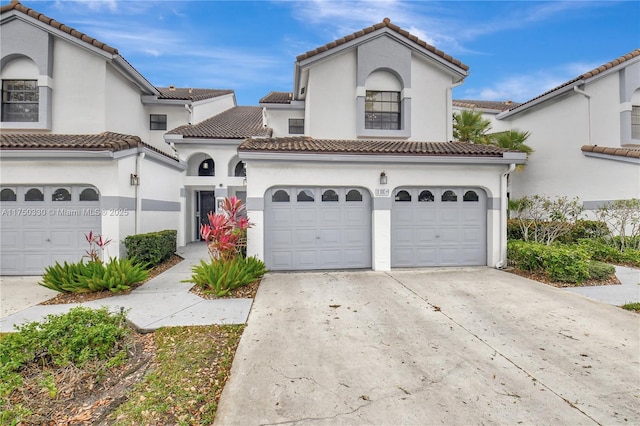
[134, 179]
[383, 178]
[205, 165]
[244, 182]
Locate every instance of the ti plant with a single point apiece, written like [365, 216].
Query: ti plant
[226, 232]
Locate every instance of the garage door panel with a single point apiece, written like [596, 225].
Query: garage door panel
[46, 230]
[281, 216]
[433, 232]
[321, 231]
[282, 259]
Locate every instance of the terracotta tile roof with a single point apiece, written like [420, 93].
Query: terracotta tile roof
[602, 68]
[277, 98]
[190, 94]
[106, 141]
[497, 105]
[306, 144]
[16, 5]
[235, 123]
[618, 151]
[385, 23]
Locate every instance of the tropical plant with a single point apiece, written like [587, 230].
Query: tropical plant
[623, 218]
[543, 219]
[511, 139]
[97, 246]
[470, 126]
[220, 276]
[226, 232]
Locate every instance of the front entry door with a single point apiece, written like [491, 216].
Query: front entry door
[207, 203]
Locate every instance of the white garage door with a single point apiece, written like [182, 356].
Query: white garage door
[317, 228]
[438, 227]
[40, 225]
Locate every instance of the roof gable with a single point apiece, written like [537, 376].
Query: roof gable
[235, 123]
[190, 94]
[622, 61]
[385, 24]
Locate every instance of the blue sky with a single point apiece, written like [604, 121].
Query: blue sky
[515, 49]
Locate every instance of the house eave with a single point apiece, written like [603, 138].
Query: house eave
[512, 158]
[619, 158]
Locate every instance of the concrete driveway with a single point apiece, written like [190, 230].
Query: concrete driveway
[457, 346]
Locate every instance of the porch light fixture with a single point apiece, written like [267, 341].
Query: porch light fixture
[383, 178]
[134, 179]
[244, 182]
[205, 165]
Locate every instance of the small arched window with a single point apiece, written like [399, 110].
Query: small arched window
[354, 195]
[207, 168]
[329, 195]
[306, 195]
[470, 196]
[89, 194]
[425, 196]
[34, 194]
[403, 196]
[449, 196]
[240, 170]
[280, 196]
[7, 194]
[61, 194]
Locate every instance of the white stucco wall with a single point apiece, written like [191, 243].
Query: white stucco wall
[210, 107]
[559, 128]
[124, 110]
[79, 90]
[330, 109]
[429, 112]
[262, 175]
[278, 120]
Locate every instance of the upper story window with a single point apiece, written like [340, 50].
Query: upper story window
[20, 100]
[635, 122]
[158, 122]
[382, 110]
[296, 126]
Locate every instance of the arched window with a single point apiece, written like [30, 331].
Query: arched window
[7, 194]
[403, 196]
[306, 195]
[354, 195]
[240, 170]
[329, 195]
[34, 194]
[425, 196]
[280, 196]
[89, 194]
[61, 194]
[207, 168]
[449, 196]
[470, 196]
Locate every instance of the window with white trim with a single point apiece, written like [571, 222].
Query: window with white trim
[382, 110]
[20, 101]
[158, 122]
[296, 126]
[635, 122]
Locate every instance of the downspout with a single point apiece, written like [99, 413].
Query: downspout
[503, 216]
[588, 96]
[138, 223]
[449, 109]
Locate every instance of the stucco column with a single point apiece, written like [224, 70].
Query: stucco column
[381, 233]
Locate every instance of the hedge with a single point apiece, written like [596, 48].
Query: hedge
[579, 230]
[152, 248]
[561, 262]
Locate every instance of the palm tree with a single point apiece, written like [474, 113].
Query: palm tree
[470, 126]
[512, 139]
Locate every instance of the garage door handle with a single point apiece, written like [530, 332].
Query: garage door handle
[437, 236]
[48, 240]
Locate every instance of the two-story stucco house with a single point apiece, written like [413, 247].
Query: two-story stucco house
[82, 143]
[360, 170]
[585, 133]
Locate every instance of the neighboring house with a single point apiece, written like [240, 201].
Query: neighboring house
[82, 145]
[489, 109]
[360, 171]
[585, 133]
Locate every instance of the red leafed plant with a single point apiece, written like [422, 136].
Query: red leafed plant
[97, 246]
[226, 232]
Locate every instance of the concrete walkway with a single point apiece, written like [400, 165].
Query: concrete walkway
[160, 302]
[616, 295]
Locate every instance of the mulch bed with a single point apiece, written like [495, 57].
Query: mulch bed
[543, 278]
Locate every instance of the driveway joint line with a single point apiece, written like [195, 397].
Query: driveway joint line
[439, 310]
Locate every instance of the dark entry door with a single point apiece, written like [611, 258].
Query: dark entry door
[207, 203]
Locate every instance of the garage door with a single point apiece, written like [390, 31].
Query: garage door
[317, 228]
[438, 227]
[43, 224]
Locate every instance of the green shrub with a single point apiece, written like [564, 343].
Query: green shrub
[601, 271]
[77, 337]
[117, 275]
[221, 276]
[152, 248]
[585, 229]
[560, 262]
[514, 231]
